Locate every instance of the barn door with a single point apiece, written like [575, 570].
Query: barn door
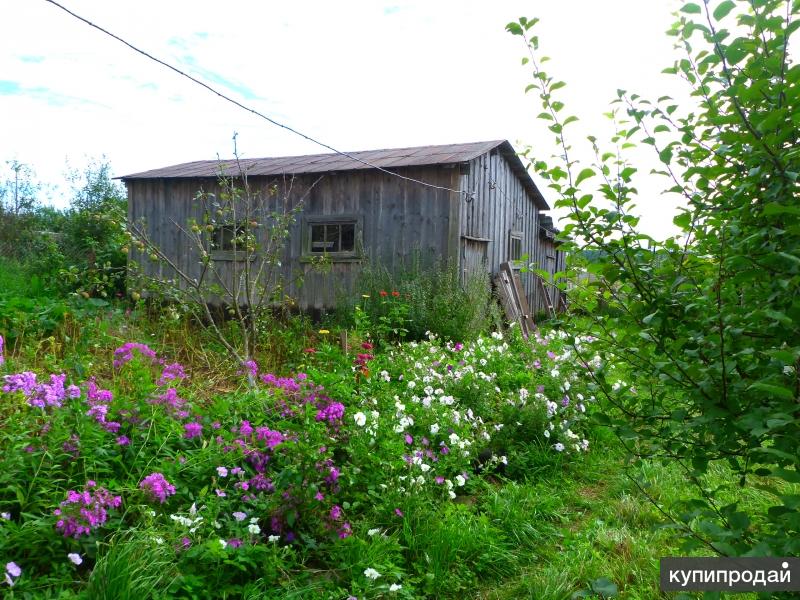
[473, 257]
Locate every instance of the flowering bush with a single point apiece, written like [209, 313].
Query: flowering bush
[339, 457]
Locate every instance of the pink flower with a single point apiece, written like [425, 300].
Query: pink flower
[192, 430]
[157, 487]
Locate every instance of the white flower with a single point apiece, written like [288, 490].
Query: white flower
[273, 538]
[223, 543]
[239, 516]
[547, 433]
[452, 494]
[75, 558]
[158, 540]
[434, 428]
[788, 370]
[460, 481]
[5, 516]
[504, 460]
[253, 520]
[254, 529]
[372, 532]
[424, 467]
[371, 574]
[394, 587]
[360, 419]
[559, 447]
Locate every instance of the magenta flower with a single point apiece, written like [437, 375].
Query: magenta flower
[270, 438]
[157, 487]
[192, 430]
[123, 440]
[171, 372]
[336, 512]
[331, 413]
[2, 354]
[124, 353]
[83, 511]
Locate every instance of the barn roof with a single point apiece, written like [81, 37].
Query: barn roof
[324, 163]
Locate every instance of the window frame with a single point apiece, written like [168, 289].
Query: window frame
[223, 253]
[356, 254]
[515, 235]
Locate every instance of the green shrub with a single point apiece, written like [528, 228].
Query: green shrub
[433, 299]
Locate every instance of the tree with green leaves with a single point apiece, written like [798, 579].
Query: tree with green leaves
[706, 323]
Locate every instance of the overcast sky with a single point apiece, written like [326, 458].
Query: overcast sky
[357, 75]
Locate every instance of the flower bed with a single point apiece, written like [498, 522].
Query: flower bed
[325, 471]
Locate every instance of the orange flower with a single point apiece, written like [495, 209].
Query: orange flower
[396, 294]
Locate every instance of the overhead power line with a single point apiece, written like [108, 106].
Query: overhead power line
[250, 109]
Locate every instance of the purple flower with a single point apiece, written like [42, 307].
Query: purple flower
[333, 475]
[245, 428]
[234, 542]
[398, 512]
[82, 511]
[157, 487]
[2, 355]
[38, 395]
[336, 512]
[409, 439]
[251, 367]
[171, 372]
[565, 401]
[192, 430]
[13, 569]
[124, 353]
[332, 413]
[345, 530]
[270, 438]
[123, 440]
[319, 496]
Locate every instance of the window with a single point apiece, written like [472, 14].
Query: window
[226, 238]
[515, 246]
[328, 238]
[337, 237]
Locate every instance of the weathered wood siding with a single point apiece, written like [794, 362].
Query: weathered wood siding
[396, 217]
[497, 204]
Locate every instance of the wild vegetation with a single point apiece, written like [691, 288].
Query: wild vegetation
[412, 444]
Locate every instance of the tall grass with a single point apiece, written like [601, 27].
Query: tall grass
[439, 300]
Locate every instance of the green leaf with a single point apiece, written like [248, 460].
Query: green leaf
[723, 9]
[683, 220]
[691, 8]
[773, 390]
[584, 175]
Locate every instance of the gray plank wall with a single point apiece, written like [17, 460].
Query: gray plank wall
[398, 217]
[501, 204]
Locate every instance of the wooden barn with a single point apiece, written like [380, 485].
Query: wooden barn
[481, 209]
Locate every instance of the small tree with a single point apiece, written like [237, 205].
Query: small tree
[19, 197]
[708, 320]
[94, 235]
[250, 226]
